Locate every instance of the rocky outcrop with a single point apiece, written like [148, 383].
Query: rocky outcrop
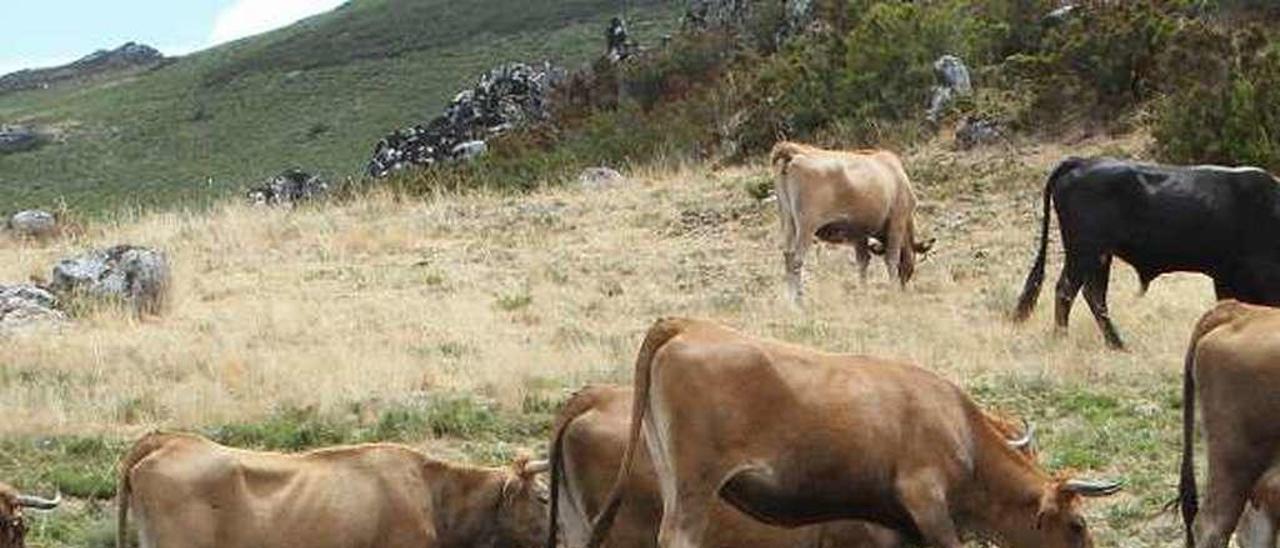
[130, 56]
[976, 131]
[504, 98]
[33, 223]
[288, 189]
[27, 307]
[953, 76]
[18, 139]
[137, 276]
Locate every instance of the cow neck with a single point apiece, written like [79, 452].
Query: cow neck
[1005, 496]
[463, 502]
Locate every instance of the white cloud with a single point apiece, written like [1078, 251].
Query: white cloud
[248, 17]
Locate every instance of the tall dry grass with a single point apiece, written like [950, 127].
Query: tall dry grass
[510, 295]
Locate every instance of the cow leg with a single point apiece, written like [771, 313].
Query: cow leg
[927, 504]
[860, 256]
[794, 259]
[1095, 294]
[893, 250]
[1234, 468]
[1068, 286]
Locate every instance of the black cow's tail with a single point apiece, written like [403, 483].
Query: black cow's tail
[1031, 288]
[662, 331]
[1188, 500]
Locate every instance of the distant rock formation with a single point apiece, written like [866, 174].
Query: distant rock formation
[131, 56]
[18, 139]
[288, 189]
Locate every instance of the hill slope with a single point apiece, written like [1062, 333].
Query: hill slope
[317, 95]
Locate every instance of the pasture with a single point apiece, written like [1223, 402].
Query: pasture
[458, 322]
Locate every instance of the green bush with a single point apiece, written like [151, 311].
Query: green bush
[1232, 117]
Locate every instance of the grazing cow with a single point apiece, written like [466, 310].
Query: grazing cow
[845, 198]
[13, 528]
[1233, 367]
[191, 492]
[589, 437]
[1218, 221]
[792, 436]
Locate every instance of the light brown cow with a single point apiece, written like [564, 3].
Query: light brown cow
[588, 440]
[847, 198]
[793, 436]
[190, 492]
[1258, 524]
[13, 525]
[1233, 367]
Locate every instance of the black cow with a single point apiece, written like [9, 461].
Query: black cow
[1219, 221]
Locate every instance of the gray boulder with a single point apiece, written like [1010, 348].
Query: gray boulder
[975, 131]
[954, 78]
[600, 177]
[33, 223]
[138, 276]
[17, 139]
[288, 189]
[26, 307]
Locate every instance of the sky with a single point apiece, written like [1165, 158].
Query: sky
[43, 33]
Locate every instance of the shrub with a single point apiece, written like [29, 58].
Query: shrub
[1227, 120]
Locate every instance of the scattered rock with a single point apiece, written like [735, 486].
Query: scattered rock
[975, 131]
[33, 223]
[600, 177]
[954, 75]
[1059, 15]
[504, 98]
[288, 189]
[18, 139]
[717, 14]
[618, 44]
[25, 307]
[136, 275]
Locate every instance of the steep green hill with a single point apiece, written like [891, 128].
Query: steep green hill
[317, 95]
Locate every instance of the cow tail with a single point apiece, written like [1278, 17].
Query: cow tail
[659, 334]
[144, 447]
[1035, 278]
[578, 403]
[1188, 499]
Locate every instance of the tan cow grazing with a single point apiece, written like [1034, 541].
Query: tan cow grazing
[845, 198]
[1233, 367]
[187, 491]
[13, 526]
[793, 436]
[588, 440]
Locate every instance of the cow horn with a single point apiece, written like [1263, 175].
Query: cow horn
[535, 467]
[1028, 436]
[1089, 488]
[31, 501]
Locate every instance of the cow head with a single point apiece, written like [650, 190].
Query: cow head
[1057, 521]
[522, 507]
[13, 528]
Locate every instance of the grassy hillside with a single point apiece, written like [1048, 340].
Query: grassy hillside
[458, 323]
[316, 95]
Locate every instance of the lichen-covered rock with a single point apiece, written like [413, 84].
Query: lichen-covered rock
[954, 78]
[17, 139]
[599, 177]
[26, 307]
[288, 189]
[33, 223]
[974, 131]
[504, 98]
[135, 275]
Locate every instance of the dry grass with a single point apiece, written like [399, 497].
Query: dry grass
[508, 296]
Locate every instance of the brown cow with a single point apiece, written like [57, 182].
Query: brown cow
[846, 198]
[793, 436]
[1233, 367]
[589, 438]
[191, 492]
[13, 527]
